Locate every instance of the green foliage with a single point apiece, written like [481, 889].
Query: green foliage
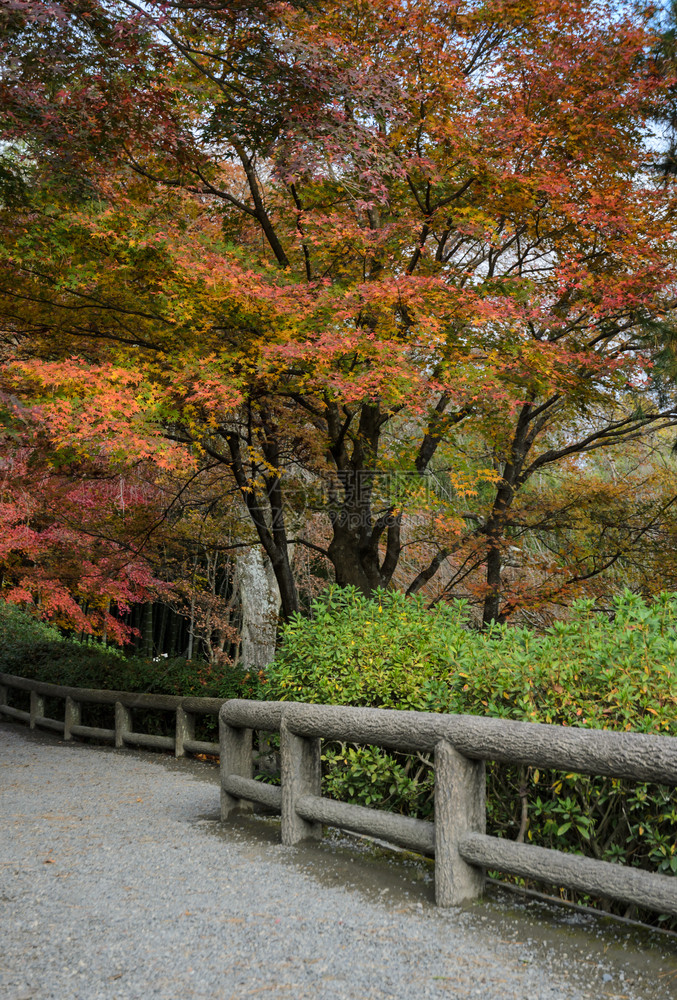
[30, 648]
[595, 670]
[601, 671]
[17, 625]
[372, 777]
[385, 652]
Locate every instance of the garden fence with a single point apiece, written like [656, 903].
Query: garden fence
[460, 744]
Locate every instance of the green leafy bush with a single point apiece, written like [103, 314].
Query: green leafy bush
[386, 652]
[17, 625]
[595, 670]
[32, 649]
[390, 652]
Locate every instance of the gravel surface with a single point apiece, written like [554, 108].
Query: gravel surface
[116, 882]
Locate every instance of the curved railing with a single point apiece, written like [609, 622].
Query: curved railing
[185, 709]
[461, 745]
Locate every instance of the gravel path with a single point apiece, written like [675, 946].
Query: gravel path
[117, 883]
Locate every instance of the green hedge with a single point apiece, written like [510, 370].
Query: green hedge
[607, 671]
[390, 652]
[31, 648]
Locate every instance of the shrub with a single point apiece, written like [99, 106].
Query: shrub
[384, 652]
[390, 652]
[17, 625]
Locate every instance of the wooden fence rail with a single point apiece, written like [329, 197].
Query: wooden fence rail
[461, 744]
[124, 702]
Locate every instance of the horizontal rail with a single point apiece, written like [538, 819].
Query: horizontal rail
[201, 746]
[599, 878]
[46, 723]
[390, 728]
[253, 791]
[263, 715]
[636, 756]
[131, 699]
[94, 732]
[148, 740]
[15, 713]
[405, 831]
[202, 706]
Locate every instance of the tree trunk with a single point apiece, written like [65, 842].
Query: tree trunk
[191, 627]
[147, 630]
[272, 532]
[492, 601]
[355, 553]
[163, 630]
[512, 479]
[355, 562]
[175, 634]
[284, 581]
[259, 595]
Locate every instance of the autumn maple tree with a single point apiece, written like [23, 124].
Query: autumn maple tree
[69, 543]
[327, 246]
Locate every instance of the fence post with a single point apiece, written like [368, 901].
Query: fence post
[37, 708]
[301, 775]
[71, 717]
[460, 790]
[185, 730]
[123, 723]
[235, 752]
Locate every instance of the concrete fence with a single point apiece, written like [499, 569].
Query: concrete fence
[124, 702]
[461, 744]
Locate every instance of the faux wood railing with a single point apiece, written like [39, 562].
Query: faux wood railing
[461, 744]
[123, 735]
